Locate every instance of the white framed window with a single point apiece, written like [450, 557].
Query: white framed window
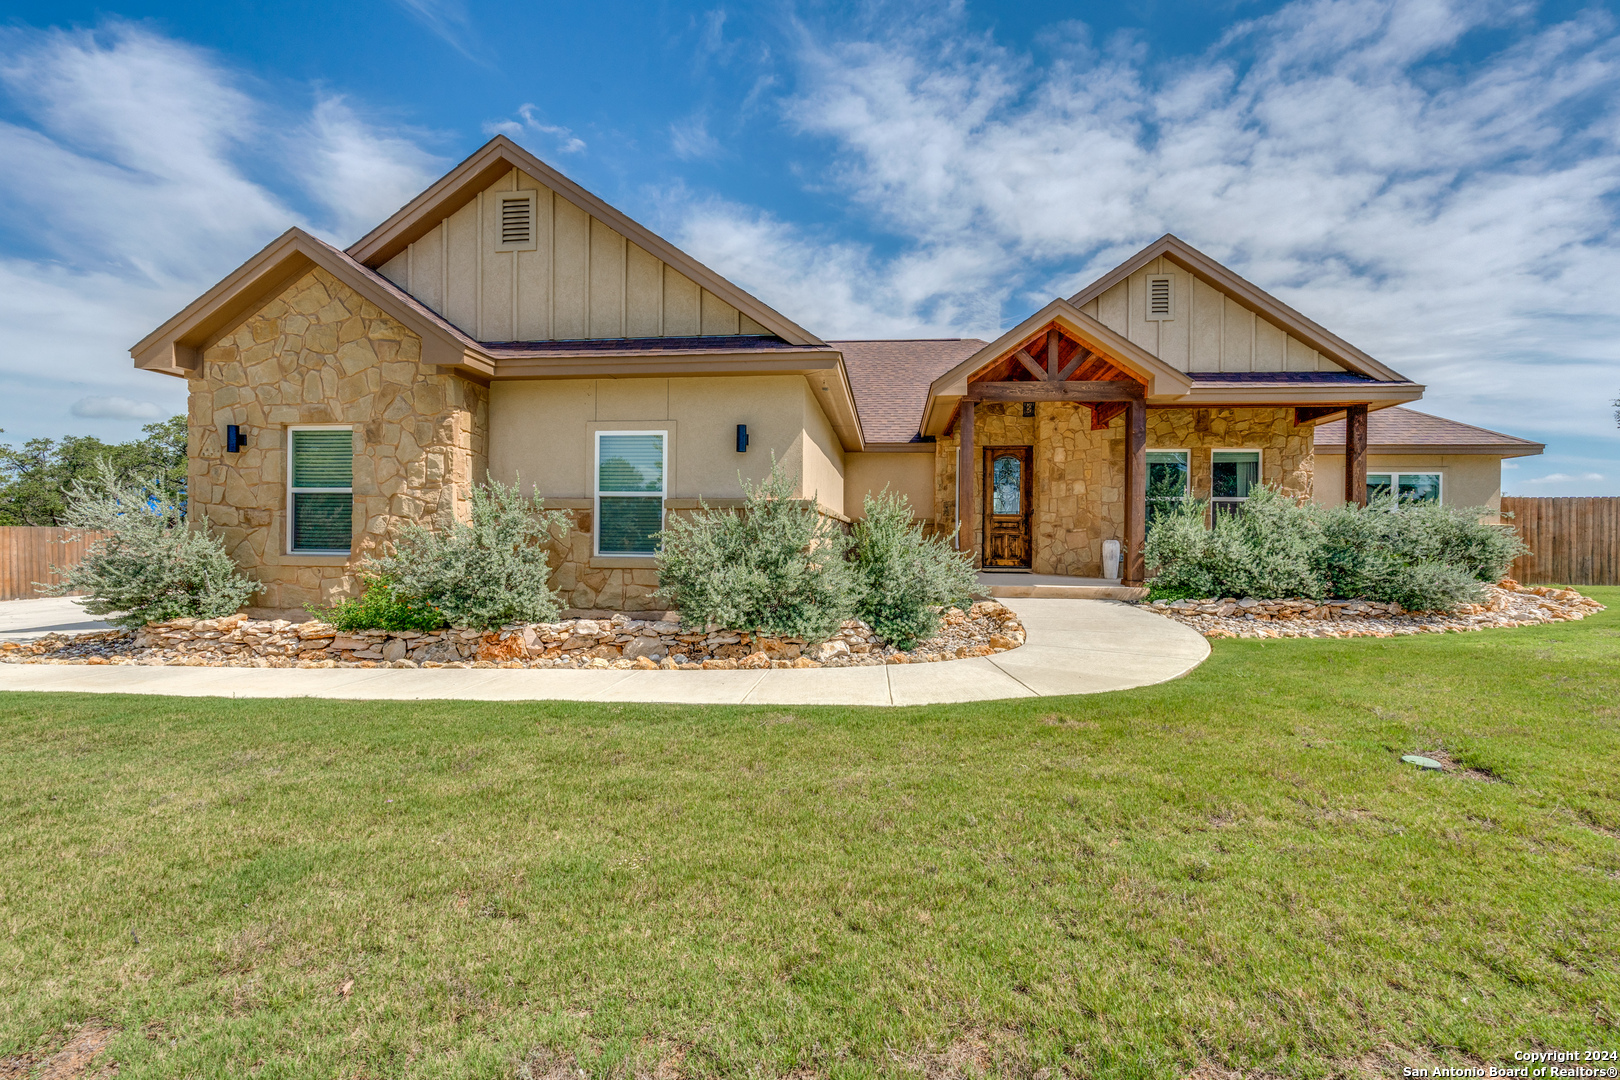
[1161, 297]
[514, 221]
[631, 467]
[1407, 487]
[1232, 475]
[320, 490]
[1169, 476]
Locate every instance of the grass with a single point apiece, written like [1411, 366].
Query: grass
[1233, 872]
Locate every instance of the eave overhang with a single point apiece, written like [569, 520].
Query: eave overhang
[1496, 450]
[1161, 381]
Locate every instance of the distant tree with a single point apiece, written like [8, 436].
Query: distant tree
[35, 480]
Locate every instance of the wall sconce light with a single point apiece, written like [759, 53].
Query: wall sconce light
[742, 438]
[234, 438]
[1029, 408]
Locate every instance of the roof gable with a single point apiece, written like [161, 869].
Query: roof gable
[591, 273]
[1221, 322]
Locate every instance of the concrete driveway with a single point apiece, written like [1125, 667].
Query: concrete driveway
[25, 620]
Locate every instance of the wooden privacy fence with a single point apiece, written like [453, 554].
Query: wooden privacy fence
[1571, 541]
[27, 553]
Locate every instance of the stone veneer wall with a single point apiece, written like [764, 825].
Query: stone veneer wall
[1079, 482]
[319, 353]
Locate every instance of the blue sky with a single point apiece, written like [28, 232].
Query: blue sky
[1436, 181]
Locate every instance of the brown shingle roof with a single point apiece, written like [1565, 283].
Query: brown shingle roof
[890, 380]
[1402, 430]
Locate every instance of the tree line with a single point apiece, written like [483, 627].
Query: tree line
[35, 480]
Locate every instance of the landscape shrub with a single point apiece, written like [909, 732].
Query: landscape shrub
[1423, 556]
[487, 572]
[153, 565]
[776, 566]
[381, 607]
[905, 575]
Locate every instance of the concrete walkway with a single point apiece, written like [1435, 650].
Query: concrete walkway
[1073, 647]
[25, 620]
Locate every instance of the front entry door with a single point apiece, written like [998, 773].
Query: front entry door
[1006, 507]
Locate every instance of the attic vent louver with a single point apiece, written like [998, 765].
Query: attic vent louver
[1160, 298]
[517, 221]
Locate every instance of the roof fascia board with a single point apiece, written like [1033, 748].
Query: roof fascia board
[177, 343]
[458, 187]
[1247, 294]
[1160, 377]
[1336, 449]
[599, 366]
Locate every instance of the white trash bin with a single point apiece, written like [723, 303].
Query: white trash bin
[1111, 559]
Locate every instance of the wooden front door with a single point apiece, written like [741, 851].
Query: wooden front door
[1006, 506]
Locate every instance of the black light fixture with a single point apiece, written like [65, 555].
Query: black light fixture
[234, 439]
[742, 438]
[1029, 408]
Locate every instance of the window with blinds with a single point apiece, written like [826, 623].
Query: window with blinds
[630, 471]
[1161, 299]
[320, 490]
[515, 224]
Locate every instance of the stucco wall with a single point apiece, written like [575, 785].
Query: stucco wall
[1078, 485]
[543, 431]
[1466, 479]
[320, 354]
[911, 475]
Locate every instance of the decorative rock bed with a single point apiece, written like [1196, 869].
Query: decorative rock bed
[619, 642]
[1506, 604]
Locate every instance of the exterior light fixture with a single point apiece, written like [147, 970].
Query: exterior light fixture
[742, 438]
[235, 440]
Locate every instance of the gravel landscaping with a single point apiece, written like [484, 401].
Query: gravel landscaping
[619, 642]
[1507, 604]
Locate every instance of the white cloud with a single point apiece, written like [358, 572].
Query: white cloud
[1563, 478]
[529, 122]
[117, 408]
[1454, 218]
[689, 138]
[447, 19]
[134, 173]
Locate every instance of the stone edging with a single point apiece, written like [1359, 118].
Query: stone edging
[620, 642]
[1507, 604]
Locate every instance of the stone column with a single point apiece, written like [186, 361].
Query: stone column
[1355, 455]
[964, 478]
[1134, 572]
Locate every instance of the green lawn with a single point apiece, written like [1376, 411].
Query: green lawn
[1232, 872]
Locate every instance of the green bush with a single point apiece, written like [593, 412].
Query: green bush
[777, 566]
[381, 607]
[153, 566]
[1423, 556]
[906, 576]
[491, 571]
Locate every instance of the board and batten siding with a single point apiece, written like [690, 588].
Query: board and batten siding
[583, 280]
[1209, 331]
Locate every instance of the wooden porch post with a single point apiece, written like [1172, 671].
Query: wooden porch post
[1355, 455]
[964, 478]
[1134, 572]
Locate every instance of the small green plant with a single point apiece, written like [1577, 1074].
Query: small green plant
[906, 576]
[380, 607]
[483, 573]
[776, 566]
[152, 566]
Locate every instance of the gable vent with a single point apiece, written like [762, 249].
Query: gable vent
[517, 221]
[1160, 298]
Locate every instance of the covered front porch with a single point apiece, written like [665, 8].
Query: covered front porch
[1045, 459]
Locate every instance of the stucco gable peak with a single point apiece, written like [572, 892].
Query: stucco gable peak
[498, 157]
[1245, 293]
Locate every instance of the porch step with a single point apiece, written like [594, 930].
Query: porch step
[1069, 592]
